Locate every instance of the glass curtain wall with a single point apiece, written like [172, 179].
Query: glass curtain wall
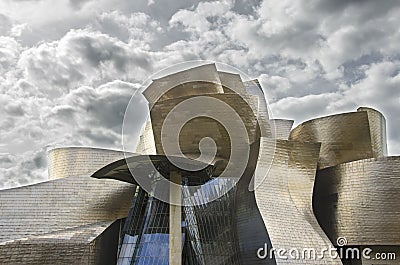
[208, 230]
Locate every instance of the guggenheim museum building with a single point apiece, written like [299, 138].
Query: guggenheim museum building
[214, 180]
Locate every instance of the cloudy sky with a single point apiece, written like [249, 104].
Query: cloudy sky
[69, 67]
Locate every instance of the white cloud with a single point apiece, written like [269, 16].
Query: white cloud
[306, 30]
[275, 86]
[138, 28]
[82, 57]
[201, 19]
[10, 50]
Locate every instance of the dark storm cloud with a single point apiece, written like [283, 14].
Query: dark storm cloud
[108, 111]
[101, 107]
[101, 49]
[40, 160]
[338, 5]
[64, 113]
[114, 24]
[78, 3]
[137, 27]
[5, 25]
[99, 136]
[353, 70]
[159, 9]
[82, 57]
[6, 160]
[26, 169]
[97, 54]
[14, 109]
[246, 7]
[9, 52]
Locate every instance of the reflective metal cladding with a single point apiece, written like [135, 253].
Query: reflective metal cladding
[214, 181]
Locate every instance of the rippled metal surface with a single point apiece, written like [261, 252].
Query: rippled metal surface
[360, 201]
[284, 199]
[345, 137]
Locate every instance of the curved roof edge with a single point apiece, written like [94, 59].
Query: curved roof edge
[120, 169]
[87, 148]
[359, 109]
[366, 160]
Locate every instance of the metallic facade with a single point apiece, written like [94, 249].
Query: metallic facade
[89, 244]
[345, 137]
[300, 189]
[355, 196]
[61, 221]
[282, 128]
[360, 201]
[292, 177]
[346, 191]
[200, 127]
[79, 161]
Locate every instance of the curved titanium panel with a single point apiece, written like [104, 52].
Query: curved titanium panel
[377, 124]
[146, 145]
[199, 80]
[62, 203]
[282, 128]
[250, 227]
[200, 127]
[231, 83]
[89, 244]
[344, 137]
[285, 200]
[360, 201]
[79, 161]
[253, 87]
